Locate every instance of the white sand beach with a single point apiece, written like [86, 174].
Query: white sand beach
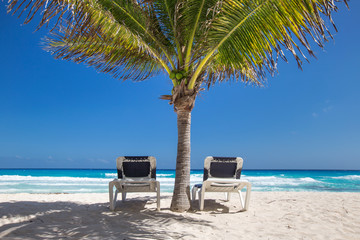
[272, 215]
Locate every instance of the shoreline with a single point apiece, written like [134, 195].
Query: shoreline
[195, 169]
[170, 193]
[272, 215]
[96, 181]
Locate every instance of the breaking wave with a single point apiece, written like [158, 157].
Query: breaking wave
[97, 182]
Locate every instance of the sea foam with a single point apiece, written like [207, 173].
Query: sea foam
[348, 177]
[83, 181]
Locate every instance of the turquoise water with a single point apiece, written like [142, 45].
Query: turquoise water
[96, 180]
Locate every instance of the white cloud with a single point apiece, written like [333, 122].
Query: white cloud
[324, 110]
[102, 160]
[327, 109]
[97, 160]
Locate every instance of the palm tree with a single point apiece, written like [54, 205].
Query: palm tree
[195, 42]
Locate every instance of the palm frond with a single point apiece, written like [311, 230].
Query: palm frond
[218, 71]
[87, 18]
[121, 58]
[249, 31]
[214, 40]
[166, 13]
[135, 18]
[197, 16]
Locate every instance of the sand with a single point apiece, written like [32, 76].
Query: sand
[272, 215]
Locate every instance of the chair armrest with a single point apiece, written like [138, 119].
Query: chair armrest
[221, 182]
[225, 180]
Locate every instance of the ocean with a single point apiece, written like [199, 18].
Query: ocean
[96, 180]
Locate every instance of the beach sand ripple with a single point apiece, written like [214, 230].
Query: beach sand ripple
[272, 215]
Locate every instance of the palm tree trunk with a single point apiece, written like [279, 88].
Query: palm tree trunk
[181, 197]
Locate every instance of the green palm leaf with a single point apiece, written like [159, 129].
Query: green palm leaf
[85, 19]
[249, 31]
[122, 60]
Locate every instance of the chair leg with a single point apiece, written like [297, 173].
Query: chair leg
[228, 196]
[247, 198]
[201, 198]
[193, 193]
[115, 197]
[111, 196]
[123, 196]
[158, 195]
[241, 199]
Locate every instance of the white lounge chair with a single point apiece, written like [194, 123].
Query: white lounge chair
[135, 174]
[222, 174]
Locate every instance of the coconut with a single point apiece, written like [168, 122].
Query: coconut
[172, 75]
[179, 76]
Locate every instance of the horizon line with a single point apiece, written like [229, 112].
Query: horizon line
[168, 169]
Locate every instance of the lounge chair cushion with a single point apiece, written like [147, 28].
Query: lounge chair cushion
[136, 169]
[222, 169]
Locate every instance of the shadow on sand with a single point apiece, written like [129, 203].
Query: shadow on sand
[70, 220]
[217, 206]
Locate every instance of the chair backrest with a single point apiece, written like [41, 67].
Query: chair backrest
[222, 167]
[136, 166]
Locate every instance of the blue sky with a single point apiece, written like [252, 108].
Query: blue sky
[58, 114]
